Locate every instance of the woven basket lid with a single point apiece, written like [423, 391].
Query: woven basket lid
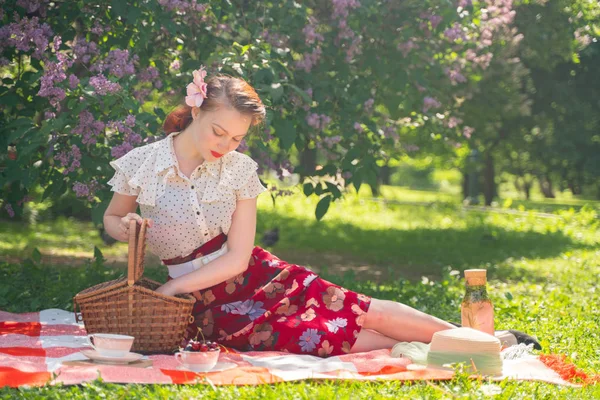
[465, 340]
[137, 250]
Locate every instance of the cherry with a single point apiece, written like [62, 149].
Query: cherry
[196, 346]
[203, 347]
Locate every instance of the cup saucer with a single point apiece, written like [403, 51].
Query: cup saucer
[97, 357]
[220, 366]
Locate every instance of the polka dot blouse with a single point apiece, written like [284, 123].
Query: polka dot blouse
[187, 212]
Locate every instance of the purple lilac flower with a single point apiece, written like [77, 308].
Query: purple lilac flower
[453, 122]
[430, 102]
[53, 73]
[309, 60]
[120, 150]
[34, 5]
[175, 65]
[358, 127]
[332, 141]
[455, 76]
[454, 33]
[407, 47]
[310, 33]
[84, 50]
[73, 158]
[88, 128]
[341, 7]
[86, 190]
[73, 81]
[9, 210]
[103, 86]
[97, 29]
[117, 62]
[391, 132]
[26, 34]
[468, 131]
[130, 121]
[242, 147]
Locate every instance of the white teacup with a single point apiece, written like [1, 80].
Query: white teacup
[111, 345]
[198, 361]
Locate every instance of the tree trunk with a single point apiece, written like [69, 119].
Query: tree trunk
[527, 188]
[546, 187]
[465, 185]
[375, 190]
[385, 174]
[574, 186]
[489, 179]
[308, 162]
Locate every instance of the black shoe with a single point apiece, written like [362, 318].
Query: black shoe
[525, 338]
[520, 336]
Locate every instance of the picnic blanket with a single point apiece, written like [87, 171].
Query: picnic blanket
[44, 348]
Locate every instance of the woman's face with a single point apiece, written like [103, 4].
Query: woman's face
[218, 132]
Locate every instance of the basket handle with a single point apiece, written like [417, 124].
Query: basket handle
[137, 247]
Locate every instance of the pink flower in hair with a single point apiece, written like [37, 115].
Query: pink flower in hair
[196, 91]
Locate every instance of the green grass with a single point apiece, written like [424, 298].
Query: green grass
[543, 276]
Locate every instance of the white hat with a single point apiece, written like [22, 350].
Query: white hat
[478, 350]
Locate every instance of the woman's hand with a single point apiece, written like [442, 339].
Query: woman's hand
[124, 222]
[168, 289]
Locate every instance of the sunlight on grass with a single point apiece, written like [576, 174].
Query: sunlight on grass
[543, 274]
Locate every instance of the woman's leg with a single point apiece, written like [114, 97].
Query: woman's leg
[368, 340]
[401, 322]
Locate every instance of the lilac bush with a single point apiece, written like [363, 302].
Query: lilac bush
[354, 79]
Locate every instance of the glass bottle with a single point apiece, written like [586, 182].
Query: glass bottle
[477, 311]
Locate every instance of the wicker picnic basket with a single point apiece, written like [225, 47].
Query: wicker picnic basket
[130, 306]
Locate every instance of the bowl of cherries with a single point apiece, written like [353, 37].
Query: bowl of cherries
[199, 356]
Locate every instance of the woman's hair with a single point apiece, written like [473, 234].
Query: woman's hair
[225, 91]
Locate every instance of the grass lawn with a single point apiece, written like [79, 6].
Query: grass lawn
[543, 275]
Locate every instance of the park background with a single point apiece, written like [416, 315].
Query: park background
[405, 141]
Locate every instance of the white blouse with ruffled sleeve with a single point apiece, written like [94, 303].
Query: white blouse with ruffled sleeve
[187, 212]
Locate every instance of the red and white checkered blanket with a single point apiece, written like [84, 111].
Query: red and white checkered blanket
[35, 346]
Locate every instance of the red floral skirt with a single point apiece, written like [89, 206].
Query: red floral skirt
[278, 306]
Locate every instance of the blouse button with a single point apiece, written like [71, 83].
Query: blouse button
[197, 212]
[192, 187]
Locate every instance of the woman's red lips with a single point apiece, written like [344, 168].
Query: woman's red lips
[215, 154]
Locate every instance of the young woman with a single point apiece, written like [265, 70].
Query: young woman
[199, 195]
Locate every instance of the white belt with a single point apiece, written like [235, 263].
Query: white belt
[175, 271]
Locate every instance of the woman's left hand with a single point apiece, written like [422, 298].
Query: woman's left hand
[168, 289]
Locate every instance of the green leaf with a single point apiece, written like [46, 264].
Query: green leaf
[335, 191]
[159, 113]
[54, 189]
[276, 90]
[308, 189]
[119, 8]
[36, 256]
[98, 210]
[508, 295]
[319, 189]
[322, 207]
[286, 132]
[98, 256]
[300, 92]
[357, 179]
[264, 75]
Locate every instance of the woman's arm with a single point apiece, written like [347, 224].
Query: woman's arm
[240, 242]
[120, 211]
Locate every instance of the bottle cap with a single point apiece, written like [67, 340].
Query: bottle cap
[476, 277]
